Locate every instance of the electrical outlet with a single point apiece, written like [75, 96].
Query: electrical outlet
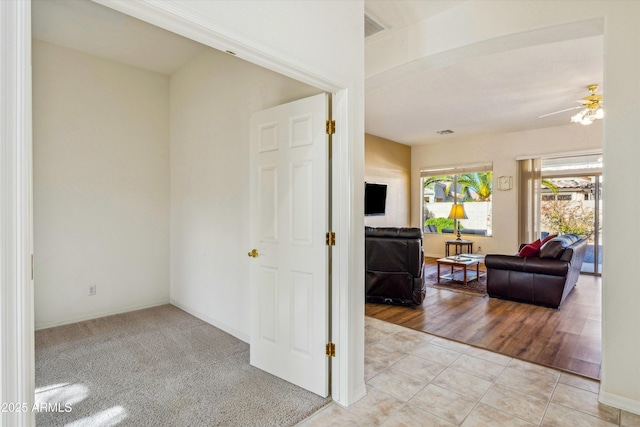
[92, 290]
[479, 249]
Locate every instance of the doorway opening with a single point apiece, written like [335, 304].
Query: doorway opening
[198, 156]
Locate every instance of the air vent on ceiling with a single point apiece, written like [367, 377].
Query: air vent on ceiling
[372, 25]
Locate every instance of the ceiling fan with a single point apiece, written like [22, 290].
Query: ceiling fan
[590, 110]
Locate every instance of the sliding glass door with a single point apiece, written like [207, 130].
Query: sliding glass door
[597, 239]
[571, 202]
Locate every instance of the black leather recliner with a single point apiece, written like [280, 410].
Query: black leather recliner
[545, 280]
[394, 262]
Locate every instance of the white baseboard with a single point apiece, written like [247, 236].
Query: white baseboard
[358, 394]
[241, 336]
[97, 315]
[619, 402]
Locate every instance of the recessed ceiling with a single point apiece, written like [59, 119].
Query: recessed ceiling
[98, 30]
[491, 92]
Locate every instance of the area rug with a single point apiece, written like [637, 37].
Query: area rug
[158, 367]
[474, 287]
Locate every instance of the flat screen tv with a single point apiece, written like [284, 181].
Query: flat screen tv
[375, 198]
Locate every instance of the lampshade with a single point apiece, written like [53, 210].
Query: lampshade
[457, 212]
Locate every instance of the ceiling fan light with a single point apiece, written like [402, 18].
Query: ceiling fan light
[586, 121]
[593, 108]
[577, 118]
[586, 116]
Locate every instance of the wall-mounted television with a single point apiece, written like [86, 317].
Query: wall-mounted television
[375, 198]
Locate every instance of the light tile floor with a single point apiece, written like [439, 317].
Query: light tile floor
[417, 379]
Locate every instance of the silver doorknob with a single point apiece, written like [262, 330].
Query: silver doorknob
[253, 253]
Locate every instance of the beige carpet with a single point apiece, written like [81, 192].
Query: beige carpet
[158, 367]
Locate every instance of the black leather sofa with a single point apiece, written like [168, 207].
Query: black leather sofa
[394, 262]
[544, 280]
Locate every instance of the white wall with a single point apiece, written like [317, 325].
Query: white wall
[388, 162]
[212, 98]
[101, 186]
[502, 150]
[620, 385]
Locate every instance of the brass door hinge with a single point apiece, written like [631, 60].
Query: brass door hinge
[331, 127]
[331, 238]
[331, 349]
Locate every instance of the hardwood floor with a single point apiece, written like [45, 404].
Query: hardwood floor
[568, 339]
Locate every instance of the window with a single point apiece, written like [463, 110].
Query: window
[471, 186]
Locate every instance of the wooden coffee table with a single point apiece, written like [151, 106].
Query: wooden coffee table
[460, 268]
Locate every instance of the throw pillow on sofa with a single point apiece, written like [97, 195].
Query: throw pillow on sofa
[552, 249]
[531, 249]
[549, 237]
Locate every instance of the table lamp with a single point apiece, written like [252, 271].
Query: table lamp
[457, 213]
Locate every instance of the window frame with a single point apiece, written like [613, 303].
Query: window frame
[454, 172]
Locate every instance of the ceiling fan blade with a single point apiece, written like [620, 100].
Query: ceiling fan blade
[561, 111]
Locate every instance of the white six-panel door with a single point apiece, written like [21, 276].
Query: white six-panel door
[288, 226]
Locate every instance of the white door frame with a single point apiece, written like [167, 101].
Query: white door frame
[16, 225]
[16, 211]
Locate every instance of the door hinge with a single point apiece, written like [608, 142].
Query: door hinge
[331, 349]
[331, 238]
[331, 127]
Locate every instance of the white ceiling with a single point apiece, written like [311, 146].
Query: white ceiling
[477, 92]
[98, 30]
